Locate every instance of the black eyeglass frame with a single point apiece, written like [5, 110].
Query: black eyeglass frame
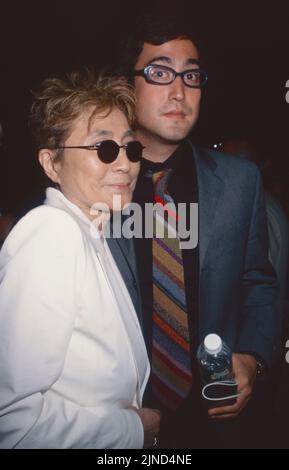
[145, 73]
[98, 145]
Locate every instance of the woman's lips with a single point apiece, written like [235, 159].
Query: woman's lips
[120, 187]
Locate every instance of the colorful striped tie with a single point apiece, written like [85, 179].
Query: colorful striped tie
[171, 361]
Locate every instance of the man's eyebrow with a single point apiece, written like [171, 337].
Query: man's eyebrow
[169, 61]
[193, 62]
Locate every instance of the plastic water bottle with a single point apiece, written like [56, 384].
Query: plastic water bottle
[215, 360]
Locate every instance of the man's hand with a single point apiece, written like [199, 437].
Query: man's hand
[245, 370]
[151, 424]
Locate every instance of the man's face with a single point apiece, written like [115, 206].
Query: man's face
[167, 113]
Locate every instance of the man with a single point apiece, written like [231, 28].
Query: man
[228, 283]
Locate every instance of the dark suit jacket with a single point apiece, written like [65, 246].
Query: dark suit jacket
[238, 287]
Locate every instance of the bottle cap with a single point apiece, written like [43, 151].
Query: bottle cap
[213, 344]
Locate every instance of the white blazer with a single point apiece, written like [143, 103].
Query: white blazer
[71, 360]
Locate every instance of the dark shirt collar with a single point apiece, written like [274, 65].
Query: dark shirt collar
[175, 161]
[183, 183]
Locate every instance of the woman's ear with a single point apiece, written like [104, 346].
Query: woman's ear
[46, 159]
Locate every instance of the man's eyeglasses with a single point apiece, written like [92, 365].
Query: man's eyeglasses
[108, 150]
[163, 75]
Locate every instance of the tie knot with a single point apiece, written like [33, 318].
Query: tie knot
[161, 179]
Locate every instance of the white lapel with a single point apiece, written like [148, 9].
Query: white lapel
[129, 318]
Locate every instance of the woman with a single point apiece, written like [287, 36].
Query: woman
[73, 363]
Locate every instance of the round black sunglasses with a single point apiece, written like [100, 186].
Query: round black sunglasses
[108, 150]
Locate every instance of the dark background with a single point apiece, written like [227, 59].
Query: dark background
[247, 57]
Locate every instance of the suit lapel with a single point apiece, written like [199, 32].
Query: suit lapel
[210, 189]
[123, 253]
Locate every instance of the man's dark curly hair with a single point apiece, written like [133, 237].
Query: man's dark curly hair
[153, 29]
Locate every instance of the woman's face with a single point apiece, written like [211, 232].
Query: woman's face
[83, 178]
